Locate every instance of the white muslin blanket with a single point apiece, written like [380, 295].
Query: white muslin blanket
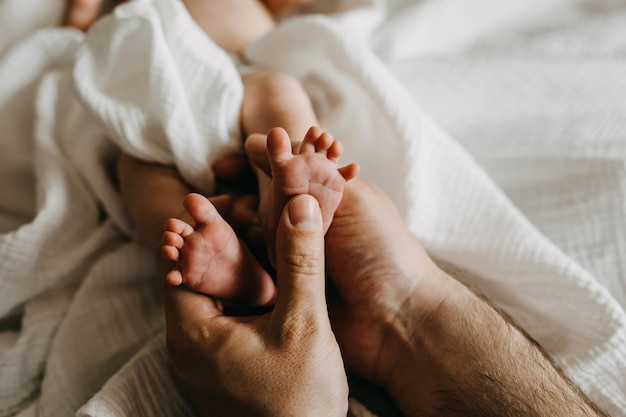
[503, 158]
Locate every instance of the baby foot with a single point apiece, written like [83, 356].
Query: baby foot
[311, 170]
[211, 259]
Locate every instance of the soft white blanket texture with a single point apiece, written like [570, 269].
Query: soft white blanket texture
[497, 128]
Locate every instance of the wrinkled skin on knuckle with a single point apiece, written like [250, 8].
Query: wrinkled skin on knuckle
[298, 331]
[302, 264]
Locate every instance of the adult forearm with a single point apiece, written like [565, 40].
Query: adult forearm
[467, 359]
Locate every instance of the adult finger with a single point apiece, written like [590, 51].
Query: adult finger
[187, 318]
[184, 307]
[234, 171]
[300, 260]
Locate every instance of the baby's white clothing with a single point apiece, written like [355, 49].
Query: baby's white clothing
[148, 86]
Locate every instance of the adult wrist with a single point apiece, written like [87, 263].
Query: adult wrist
[417, 369]
[466, 358]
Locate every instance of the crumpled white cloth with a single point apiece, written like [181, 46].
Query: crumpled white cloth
[162, 90]
[80, 319]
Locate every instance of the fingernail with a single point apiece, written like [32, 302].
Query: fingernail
[304, 212]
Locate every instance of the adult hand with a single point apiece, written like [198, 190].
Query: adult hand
[284, 363]
[427, 339]
[379, 271]
[373, 262]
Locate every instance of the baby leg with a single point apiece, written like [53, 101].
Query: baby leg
[211, 259]
[232, 24]
[273, 99]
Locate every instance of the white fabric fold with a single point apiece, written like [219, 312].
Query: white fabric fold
[162, 90]
[78, 301]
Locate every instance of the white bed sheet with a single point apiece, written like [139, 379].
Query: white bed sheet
[496, 128]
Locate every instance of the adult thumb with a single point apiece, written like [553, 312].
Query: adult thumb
[300, 259]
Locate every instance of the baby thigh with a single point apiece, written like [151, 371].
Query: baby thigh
[274, 99]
